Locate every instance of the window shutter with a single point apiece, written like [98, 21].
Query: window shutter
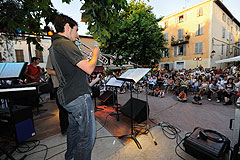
[182, 33]
[223, 33]
[227, 50]
[171, 66]
[201, 11]
[184, 50]
[201, 28]
[196, 30]
[166, 36]
[196, 47]
[179, 33]
[227, 35]
[222, 49]
[175, 51]
[200, 47]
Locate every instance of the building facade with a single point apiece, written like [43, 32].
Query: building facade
[17, 49]
[200, 35]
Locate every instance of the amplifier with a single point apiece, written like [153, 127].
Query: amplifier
[205, 144]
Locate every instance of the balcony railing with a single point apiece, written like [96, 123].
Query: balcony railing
[180, 41]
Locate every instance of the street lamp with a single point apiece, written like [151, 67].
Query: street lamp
[120, 57]
[197, 59]
[212, 53]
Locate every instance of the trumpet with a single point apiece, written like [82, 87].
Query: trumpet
[102, 59]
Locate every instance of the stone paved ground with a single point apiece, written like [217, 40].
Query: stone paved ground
[187, 116]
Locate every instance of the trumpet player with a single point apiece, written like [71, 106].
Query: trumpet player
[74, 92]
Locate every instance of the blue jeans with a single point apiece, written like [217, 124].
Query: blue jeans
[195, 88]
[81, 131]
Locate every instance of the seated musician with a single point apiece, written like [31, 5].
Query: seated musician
[33, 71]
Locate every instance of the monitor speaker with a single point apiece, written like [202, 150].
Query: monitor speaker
[139, 107]
[20, 126]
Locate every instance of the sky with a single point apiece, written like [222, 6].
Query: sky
[160, 8]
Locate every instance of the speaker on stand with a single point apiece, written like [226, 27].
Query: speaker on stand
[140, 108]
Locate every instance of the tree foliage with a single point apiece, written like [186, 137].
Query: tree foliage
[25, 16]
[139, 35]
[101, 16]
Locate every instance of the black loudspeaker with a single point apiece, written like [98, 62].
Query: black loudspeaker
[20, 126]
[107, 97]
[140, 108]
[205, 144]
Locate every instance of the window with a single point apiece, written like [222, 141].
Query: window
[223, 32]
[228, 20]
[165, 53]
[166, 24]
[180, 19]
[199, 30]
[198, 47]
[227, 35]
[166, 36]
[180, 50]
[39, 55]
[227, 50]
[180, 33]
[200, 12]
[19, 55]
[222, 51]
[224, 17]
[231, 37]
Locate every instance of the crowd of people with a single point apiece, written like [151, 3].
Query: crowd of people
[211, 83]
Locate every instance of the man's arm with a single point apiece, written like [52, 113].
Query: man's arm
[89, 67]
[51, 72]
[41, 71]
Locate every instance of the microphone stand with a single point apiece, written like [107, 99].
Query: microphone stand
[132, 135]
[147, 122]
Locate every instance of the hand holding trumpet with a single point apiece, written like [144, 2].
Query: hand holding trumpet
[95, 50]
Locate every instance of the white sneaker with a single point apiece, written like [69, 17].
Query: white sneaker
[209, 99]
[218, 101]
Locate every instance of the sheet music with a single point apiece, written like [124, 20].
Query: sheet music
[114, 82]
[11, 70]
[135, 74]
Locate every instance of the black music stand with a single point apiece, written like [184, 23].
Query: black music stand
[133, 75]
[113, 82]
[95, 93]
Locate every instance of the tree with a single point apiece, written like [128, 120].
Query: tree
[102, 17]
[139, 35]
[26, 15]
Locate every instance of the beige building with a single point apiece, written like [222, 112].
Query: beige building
[17, 50]
[200, 35]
